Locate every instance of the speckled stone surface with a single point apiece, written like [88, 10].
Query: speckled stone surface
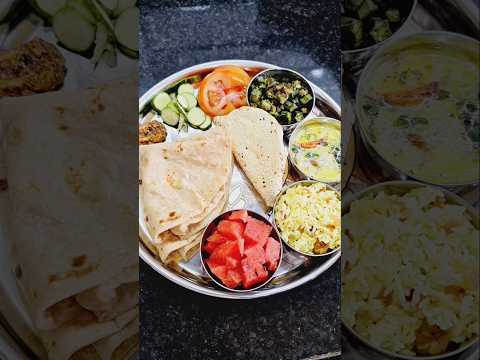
[304, 322]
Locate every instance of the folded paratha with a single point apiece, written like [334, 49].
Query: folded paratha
[257, 141]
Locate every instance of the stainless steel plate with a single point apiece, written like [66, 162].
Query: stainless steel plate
[295, 269]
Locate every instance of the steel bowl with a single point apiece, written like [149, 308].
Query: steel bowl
[354, 60]
[209, 230]
[400, 188]
[287, 129]
[319, 120]
[300, 183]
[438, 38]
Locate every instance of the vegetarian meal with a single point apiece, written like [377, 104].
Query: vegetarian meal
[368, 22]
[80, 289]
[35, 67]
[410, 271]
[184, 185]
[94, 29]
[420, 115]
[241, 252]
[315, 149]
[283, 94]
[152, 132]
[308, 218]
[257, 141]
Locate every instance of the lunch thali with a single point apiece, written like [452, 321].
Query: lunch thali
[294, 269]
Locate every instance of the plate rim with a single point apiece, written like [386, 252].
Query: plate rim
[184, 282]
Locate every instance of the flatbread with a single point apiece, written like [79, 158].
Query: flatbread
[257, 141]
[183, 186]
[82, 238]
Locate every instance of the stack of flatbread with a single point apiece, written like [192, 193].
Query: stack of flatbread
[184, 185]
[72, 218]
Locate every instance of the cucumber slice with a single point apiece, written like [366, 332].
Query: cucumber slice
[173, 97]
[73, 31]
[82, 8]
[182, 101]
[186, 89]
[191, 79]
[123, 5]
[101, 42]
[207, 124]
[126, 28]
[49, 8]
[196, 117]
[109, 5]
[160, 101]
[170, 117]
[101, 15]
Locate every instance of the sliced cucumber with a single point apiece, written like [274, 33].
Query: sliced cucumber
[186, 89]
[73, 31]
[101, 42]
[170, 117]
[173, 97]
[196, 117]
[160, 101]
[182, 101]
[123, 5]
[49, 8]
[109, 6]
[82, 8]
[101, 15]
[189, 80]
[207, 124]
[126, 28]
[187, 101]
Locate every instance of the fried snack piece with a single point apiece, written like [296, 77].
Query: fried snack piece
[34, 67]
[151, 133]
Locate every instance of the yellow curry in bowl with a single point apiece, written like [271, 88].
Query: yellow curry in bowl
[315, 149]
[419, 108]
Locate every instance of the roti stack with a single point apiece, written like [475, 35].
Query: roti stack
[183, 186]
[257, 140]
[74, 253]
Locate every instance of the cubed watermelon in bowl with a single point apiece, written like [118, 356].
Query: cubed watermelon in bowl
[241, 250]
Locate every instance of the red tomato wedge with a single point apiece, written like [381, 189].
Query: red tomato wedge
[223, 90]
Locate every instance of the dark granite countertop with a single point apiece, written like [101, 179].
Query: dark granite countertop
[301, 35]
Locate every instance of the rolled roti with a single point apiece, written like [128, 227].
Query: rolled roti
[72, 212]
[257, 141]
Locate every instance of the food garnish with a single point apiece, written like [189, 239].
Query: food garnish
[284, 96]
[223, 90]
[240, 251]
[152, 132]
[308, 218]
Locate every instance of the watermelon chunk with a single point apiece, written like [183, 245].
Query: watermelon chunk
[233, 279]
[213, 241]
[232, 263]
[252, 273]
[241, 215]
[230, 278]
[272, 254]
[257, 231]
[220, 271]
[227, 249]
[233, 230]
[256, 254]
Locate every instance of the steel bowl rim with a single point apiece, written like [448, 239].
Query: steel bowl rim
[364, 77]
[407, 184]
[242, 291]
[183, 281]
[321, 119]
[280, 194]
[384, 42]
[311, 91]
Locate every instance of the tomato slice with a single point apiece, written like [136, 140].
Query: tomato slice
[223, 90]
